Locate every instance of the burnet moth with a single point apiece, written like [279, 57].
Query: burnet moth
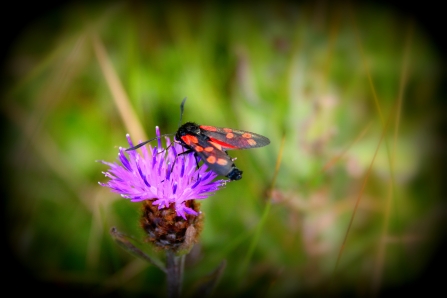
[210, 144]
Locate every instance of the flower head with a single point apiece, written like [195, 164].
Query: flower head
[161, 175]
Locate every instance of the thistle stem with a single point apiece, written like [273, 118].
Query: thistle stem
[174, 274]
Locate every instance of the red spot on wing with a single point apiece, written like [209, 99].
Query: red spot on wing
[188, 139]
[216, 145]
[251, 142]
[222, 162]
[209, 128]
[211, 159]
[221, 143]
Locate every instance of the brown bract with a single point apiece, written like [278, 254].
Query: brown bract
[166, 230]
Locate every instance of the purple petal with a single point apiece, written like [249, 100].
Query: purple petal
[197, 183]
[124, 161]
[153, 182]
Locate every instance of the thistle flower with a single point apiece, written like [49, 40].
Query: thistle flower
[168, 183]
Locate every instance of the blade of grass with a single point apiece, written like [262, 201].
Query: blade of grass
[121, 100]
[125, 242]
[379, 264]
[49, 95]
[379, 111]
[331, 162]
[333, 34]
[93, 250]
[207, 284]
[117, 280]
[268, 204]
[72, 45]
[47, 149]
[365, 180]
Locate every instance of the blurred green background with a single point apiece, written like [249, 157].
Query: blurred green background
[349, 95]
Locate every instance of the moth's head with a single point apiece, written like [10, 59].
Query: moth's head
[187, 128]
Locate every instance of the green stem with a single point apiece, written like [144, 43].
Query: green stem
[174, 274]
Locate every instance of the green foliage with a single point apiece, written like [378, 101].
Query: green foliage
[338, 84]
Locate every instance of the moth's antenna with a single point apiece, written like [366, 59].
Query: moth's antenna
[145, 142]
[181, 111]
[168, 134]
